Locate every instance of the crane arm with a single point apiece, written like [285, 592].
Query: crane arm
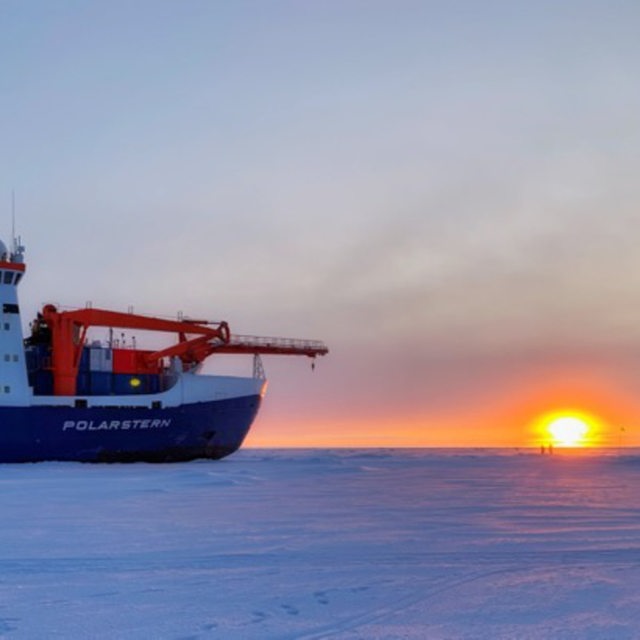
[273, 346]
[104, 318]
[69, 328]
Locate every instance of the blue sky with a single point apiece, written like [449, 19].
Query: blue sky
[445, 192]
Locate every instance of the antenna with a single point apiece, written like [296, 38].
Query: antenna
[17, 249]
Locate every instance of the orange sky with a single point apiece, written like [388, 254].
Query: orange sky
[504, 416]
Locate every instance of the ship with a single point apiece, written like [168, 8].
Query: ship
[66, 397]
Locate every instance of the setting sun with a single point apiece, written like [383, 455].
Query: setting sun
[568, 429]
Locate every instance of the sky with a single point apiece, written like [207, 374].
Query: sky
[444, 192]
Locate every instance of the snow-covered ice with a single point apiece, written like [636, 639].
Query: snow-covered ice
[370, 544]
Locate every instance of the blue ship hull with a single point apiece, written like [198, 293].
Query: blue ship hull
[211, 429]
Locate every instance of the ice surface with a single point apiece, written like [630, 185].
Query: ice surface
[324, 544]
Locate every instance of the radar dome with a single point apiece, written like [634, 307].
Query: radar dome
[4, 252]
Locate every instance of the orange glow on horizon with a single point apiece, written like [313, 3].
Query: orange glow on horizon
[508, 429]
[517, 416]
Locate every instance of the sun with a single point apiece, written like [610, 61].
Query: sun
[568, 429]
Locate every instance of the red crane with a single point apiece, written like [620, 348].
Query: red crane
[198, 339]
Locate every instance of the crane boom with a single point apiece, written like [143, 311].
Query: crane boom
[197, 340]
[275, 346]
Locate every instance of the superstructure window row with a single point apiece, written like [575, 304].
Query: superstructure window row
[10, 277]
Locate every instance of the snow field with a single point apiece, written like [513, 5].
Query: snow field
[354, 544]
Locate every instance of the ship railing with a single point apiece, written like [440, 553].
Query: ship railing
[274, 346]
[278, 343]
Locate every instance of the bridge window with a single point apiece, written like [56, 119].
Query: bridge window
[8, 277]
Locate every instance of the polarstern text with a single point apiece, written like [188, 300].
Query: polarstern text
[115, 425]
